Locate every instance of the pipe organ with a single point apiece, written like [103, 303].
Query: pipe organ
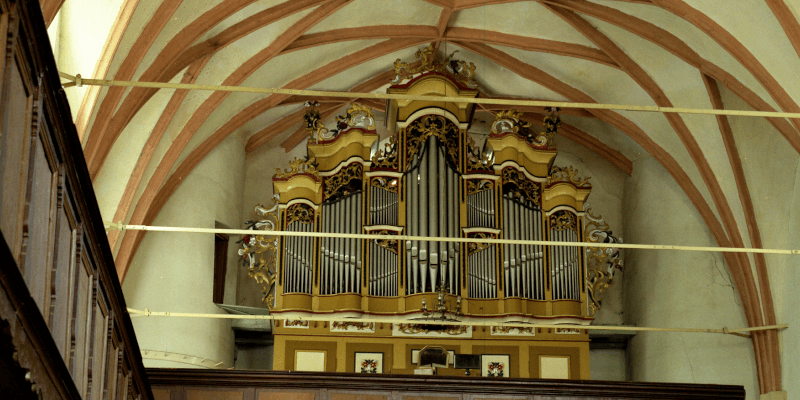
[430, 178]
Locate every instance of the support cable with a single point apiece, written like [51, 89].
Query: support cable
[78, 81]
[121, 226]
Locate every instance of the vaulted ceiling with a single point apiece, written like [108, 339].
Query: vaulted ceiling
[140, 143]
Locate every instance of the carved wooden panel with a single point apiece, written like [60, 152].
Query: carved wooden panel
[59, 293]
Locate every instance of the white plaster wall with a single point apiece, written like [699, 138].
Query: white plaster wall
[772, 170]
[80, 33]
[175, 271]
[679, 289]
[607, 365]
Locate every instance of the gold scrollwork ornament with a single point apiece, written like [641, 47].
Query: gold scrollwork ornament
[342, 178]
[386, 183]
[388, 244]
[299, 212]
[473, 247]
[525, 187]
[563, 220]
[299, 166]
[567, 174]
[462, 71]
[601, 262]
[433, 125]
[258, 253]
[479, 185]
[386, 158]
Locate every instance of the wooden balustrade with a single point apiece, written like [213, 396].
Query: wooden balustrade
[61, 305]
[267, 385]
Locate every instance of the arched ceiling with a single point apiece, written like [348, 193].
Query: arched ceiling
[141, 143]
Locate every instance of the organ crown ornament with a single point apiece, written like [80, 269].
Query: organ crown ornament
[431, 178]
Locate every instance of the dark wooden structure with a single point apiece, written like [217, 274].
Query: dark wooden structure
[64, 329]
[268, 385]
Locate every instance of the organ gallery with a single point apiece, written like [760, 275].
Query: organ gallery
[433, 177]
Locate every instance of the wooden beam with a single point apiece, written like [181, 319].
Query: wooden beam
[190, 76]
[530, 44]
[112, 117]
[787, 21]
[747, 207]
[360, 33]
[735, 48]
[155, 195]
[674, 45]
[97, 142]
[104, 63]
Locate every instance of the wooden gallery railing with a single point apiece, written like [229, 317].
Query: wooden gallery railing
[64, 331]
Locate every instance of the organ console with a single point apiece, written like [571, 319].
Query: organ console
[431, 178]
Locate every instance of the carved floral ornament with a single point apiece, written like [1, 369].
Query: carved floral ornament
[411, 329]
[506, 330]
[357, 116]
[564, 220]
[386, 183]
[387, 157]
[473, 247]
[567, 174]
[259, 252]
[298, 166]
[510, 121]
[601, 262]
[343, 326]
[342, 178]
[299, 212]
[388, 244]
[433, 125]
[525, 187]
[461, 71]
[479, 185]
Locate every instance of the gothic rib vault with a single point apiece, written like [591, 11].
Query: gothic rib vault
[140, 144]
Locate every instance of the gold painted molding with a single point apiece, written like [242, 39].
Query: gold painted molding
[510, 147]
[355, 142]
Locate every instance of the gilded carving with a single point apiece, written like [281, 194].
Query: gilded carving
[462, 72]
[342, 178]
[411, 329]
[567, 174]
[567, 331]
[433, 125]
[510, 121]
[314, 126]
[473, 247]
[508, 330]
[295, 323]
[388, 244]
[343, 326]
[386, 158]
[356, 116]
[386, 183]
[299, 212]
[479, 185]
[298, 166]
[259, 252]
[563, 220]
[525, 187]
[601, 262]
[478, 159]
